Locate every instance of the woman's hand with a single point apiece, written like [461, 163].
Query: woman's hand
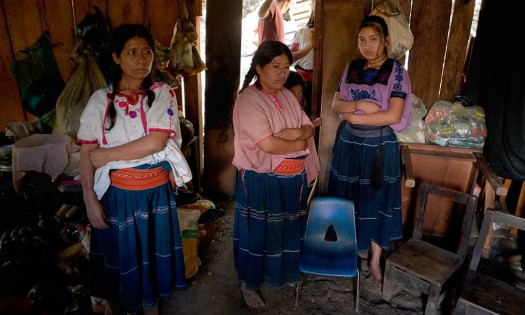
[367, 107]
[95, 213]
[293, 134]
[98, 157]
[289, 134]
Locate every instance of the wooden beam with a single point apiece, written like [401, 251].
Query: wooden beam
[58, 19]
[456, 54]
[335, 20]
[425, 64]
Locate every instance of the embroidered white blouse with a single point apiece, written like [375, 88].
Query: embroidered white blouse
[134, 120]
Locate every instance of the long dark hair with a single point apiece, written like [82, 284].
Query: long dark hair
[264, 54]
[375, 22]
[378, 24]
[121, 35]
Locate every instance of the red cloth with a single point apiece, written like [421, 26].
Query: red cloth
[272, 26]
[307, 75]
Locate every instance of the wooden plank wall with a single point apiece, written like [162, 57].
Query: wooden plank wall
[329, 18]
[23, 21]
[435, 62]
[300, 11]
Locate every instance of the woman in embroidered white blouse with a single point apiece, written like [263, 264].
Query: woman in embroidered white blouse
[130, 165]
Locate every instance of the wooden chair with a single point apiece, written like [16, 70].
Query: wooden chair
[424, 266]
[329, 246]
[481, 293]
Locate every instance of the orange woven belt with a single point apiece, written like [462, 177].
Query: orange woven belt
[290, 167]
[135, 179]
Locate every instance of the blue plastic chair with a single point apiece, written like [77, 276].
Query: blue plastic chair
[329, 246]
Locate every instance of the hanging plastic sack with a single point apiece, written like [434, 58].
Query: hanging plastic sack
[163, 70]
[401, 37]
[36, 72]
[198, 64]
[180, 51]
[93, 39]
[69, 107]
[183, 48]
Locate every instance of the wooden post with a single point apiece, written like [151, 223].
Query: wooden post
[223, 56]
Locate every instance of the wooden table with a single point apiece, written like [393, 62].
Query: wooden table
[455, 168]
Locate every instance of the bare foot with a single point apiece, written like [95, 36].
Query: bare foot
[251, 297]
[376, 273]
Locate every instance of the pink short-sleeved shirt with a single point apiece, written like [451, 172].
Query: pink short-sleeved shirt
[257, 115]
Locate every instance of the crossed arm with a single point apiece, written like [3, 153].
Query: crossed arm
[136, 149]
[93, 157]
[288, 140]
[373, 115]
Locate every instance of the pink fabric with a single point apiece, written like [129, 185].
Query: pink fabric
[311, 163]
[44, 153]
[254, 117]
[272, 26]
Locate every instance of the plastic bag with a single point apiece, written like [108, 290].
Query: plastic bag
[188, 219]
[415, 132]
[69, 107]
[36, 72]
[453, 125]
[180, 51]
[93, 39]
[183, 51]
[401, 37]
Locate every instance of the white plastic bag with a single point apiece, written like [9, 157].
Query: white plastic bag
[415, 132]
[401, 37]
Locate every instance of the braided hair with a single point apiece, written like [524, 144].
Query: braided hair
[264, 54]
[121, 35]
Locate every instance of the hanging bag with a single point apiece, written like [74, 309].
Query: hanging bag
[401, 37]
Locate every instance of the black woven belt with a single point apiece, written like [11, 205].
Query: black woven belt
[368, 131]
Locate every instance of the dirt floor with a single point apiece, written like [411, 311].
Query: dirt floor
[214, 290]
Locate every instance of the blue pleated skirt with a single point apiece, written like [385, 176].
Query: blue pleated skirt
[269, 226]
[378, 211]
[138, 259]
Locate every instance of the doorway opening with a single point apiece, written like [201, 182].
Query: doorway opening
[294, 19]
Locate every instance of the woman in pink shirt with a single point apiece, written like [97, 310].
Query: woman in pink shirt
[271, 144]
